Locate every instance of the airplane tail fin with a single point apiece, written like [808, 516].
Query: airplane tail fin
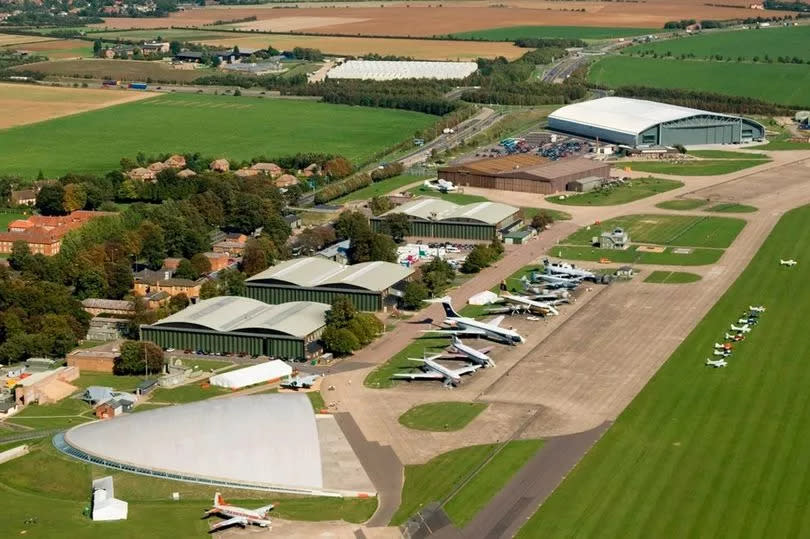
[448, 310]
[218, 499]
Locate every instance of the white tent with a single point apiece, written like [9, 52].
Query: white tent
[255, 374]
[483, 298]
[105, 505]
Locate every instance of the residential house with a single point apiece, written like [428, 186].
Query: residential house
[292, 220]
[219, 261]
[23, 197]
[186, 173]
[156, 299]
[311, 170]
[268, 169]
[155, 47]
[141, 174]
[176, 161]
[220, 165]
[157, 167]
[43, 234]
[233, 245]
[148, 282]
[171, 263]
[247, 173]
[285, 180]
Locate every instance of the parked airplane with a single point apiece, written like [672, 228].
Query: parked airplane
[301, 382]
[476, 355]
[757, 308]
[724, 353]
[557, 282]
[723, 346]
[745, 328]
[717, 363]
[737, 337]
[431, 370]
[562, 268]
[530, 304]
[462, 325]
[544, 294]
[440, 185]
[237, 516]
[790, 262]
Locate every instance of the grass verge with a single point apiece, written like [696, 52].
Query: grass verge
[709, 167]
[441, 416]
[731, 207]
[633, 190]
[697, 257]
[672, 277]
[681, 204]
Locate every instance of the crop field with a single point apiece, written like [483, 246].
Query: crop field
[777, 83]
[710, 452]
[202, 123]
[124, 70]
[708, 167]
[25, 104]
[57, 49]
[10, 39]
[713, 232]
[635, 190]
[580, 32]
[773, 42]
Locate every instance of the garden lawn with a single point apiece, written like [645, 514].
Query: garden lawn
[441, 416]
[380, 188]
[381, 376]
[698, 257]
[731, 207]
[216, 126]
[682, 204]
[622, 194]
[672, 277]
[706, 452]
[709, 167]
[686, 230]
[575, 32]
[784, 84]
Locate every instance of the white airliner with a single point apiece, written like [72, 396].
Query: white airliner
[756, 308]
[789, 262]
[562, 268]
[237, 516]
[717, 363]
[462, 325]
[745, 328]
[530, 304]
[432, 370]
[476, 355]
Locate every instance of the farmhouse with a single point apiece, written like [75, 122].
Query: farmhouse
[236, 325]
[372, 286]
[436, 218]
[636, 122]
[523, 172]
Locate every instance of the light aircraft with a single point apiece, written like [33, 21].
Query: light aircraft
[745, 328]
[723, 346]
[724, 353]
[301, 382]
[530, 304]
[737, 337]
[790, 262]
[440, 185]
[717, 363]
[757, 308]
[462, 325]
[562, 268]
[475, 355]
[431, 370]
[237, 516]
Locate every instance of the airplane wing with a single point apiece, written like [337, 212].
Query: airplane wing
[419, 376]
[467, 369]
[235, 521]
[497, 320]
[486, 349]
[469, 331]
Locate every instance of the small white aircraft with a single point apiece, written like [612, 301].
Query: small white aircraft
[440, 185]
[301, 382]
[717, 363]
[237, 516]
[462, 325]
[431, 370]
[476, 355]
[790, 262]
[745, 328]
[756, 308]
[735, 337]
[724, 352]
[722, 346]
[562, 268]
[530, 304]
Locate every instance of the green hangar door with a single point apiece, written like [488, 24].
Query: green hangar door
[692, 132]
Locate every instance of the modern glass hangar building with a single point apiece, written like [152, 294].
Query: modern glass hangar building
[636, 122]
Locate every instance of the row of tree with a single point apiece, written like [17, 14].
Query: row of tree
[705, 100]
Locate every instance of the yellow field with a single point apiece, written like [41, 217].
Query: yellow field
[423, 49]
[56, 49]
[8, 39]
[24, 103]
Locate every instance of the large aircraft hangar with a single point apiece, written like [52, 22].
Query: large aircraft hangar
[636, 122]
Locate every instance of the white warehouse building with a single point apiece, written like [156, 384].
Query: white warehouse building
[391, 70]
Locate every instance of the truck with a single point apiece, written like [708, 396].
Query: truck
[137, 86]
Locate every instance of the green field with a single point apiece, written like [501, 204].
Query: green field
[63, 414]
[219, 126]
[440, 476]
[633, 190]
[698, 257]
[316, 399]
[380, 188]
[187, 393]
[582, 32]
[772, 42]
[710, 452]
[686, 230]
[779, 138]
[120, 383]
[672, 277]
[455, 198]
[784, 84]
[731, 207]
[709, 167]
[381, 376]
[681, 204]
[557, 215]
[8, 216]
[441, 416]
[725, 154]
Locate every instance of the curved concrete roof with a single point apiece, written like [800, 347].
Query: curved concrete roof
[234, 313]
[625, 115]
[315, 271]
[436, 209]
[269, 440]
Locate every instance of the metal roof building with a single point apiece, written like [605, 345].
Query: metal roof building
[370, 285]
[230, 324]
[264, 442]
[637, 122]
[391, 70]
[436, 218]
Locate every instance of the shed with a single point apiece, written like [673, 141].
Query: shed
[97, 394]
[518, 237]
[256, 374]
[145, 387]
[105, 505]
[584, 185]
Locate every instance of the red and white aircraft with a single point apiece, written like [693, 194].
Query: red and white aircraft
[237, 516]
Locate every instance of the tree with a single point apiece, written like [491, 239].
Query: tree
[248, 214]
[337, 167]
[541, 220]
[340, 341]
[209, 289]
[371, 246]
[75, 197]
[178, 302]
[341, 313]
[185, 270]
[119, 280]
[397, 225]
[21, 258]
[200, 264]
[136, 355]
[175, 47]
[90, 284]
[361, 330]
[97, 47]
[231, 283]
[415, 294]
[351, 224]
[259, 254]
[51, 199]
[153, 244]
[479, 258]
[380, 205]
[58, 337]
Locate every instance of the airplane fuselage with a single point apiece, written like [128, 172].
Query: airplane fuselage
[472, 354]
[508, 335]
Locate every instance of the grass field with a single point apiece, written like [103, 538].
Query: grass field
[779, 138]
[685, 230]
[57, 49]
[120, 383]
[73, 144]
[698, 256]
[8, 216]
[634, 190]
[709, 167]
[710, 452]
[441, 416]
[187, 393]
[582, 32]
[682, 204]
[558, 215]
[206, 364]
[381, 376]
[672, 277]
[772, 42]
[731, 207]
[456, 198]
[725, 154]
[380, 188]
[64, 414]
[777, 83]
[437, 479]
[124, 70]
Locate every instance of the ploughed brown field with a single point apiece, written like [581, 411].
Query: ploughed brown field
[428, 19]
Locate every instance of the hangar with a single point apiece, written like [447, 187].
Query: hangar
[272, 442]
[437, 218]
[523, 172]
[637, 122]
[371, 286]
[237, 325]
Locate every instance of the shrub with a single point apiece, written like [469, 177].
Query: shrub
[340, 341]
[415, 294]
